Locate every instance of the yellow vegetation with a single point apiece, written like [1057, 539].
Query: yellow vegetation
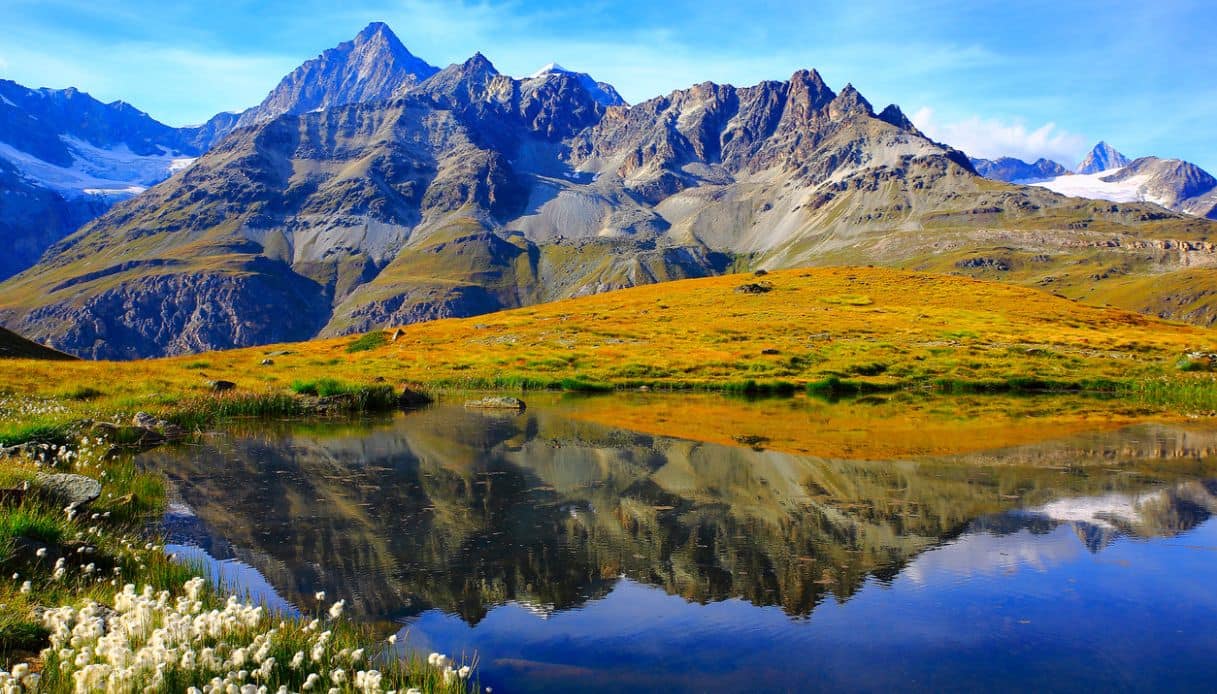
[877, 326]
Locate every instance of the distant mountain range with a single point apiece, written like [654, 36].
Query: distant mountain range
[65, 158]
[370, 189]
[1107, 174]
[1014, 170]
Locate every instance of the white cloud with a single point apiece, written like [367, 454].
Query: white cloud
[991, 138]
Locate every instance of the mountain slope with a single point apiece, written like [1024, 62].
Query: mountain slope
[473, 191]
[13, 346]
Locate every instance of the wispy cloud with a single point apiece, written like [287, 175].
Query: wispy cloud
[991, 137]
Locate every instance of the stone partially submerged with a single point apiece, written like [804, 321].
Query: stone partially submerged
[497, 403]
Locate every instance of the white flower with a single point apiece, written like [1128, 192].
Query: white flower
[392, 639]
[25, 589]
[336, 609]
[319, 595]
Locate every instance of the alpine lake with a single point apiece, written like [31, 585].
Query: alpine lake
[657, 542]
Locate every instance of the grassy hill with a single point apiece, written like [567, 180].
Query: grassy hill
[827, 330]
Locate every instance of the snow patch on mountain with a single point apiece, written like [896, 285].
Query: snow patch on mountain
[549, 70]
[1097, 186]
[111, 172]
[602, 92]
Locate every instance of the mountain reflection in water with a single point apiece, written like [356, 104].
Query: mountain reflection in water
[468, 527]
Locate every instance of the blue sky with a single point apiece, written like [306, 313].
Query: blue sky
[1027, 78]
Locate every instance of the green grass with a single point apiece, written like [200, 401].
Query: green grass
[515, 382]
[30, 521]
[368, 342]
[363, 398]
[81, 393]
[20, 634]
[322, 387]
[1198, 395]
[32, 431]
[761, 388]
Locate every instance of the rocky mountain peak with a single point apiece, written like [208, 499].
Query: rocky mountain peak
[374, 29]
[479, 63]
[848, 103]
[893, 115]
[1103, 157]
[461, 84]
[373, 66]
[807, 93]
[604, 93]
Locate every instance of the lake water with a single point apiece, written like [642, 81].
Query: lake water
[575, 555]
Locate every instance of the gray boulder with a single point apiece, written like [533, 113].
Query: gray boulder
[497, 403]
[157, 428]
[71, 490]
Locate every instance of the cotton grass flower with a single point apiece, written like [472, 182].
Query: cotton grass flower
[336, 609]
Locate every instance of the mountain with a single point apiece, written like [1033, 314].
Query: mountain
[1013, 170]
[66, 157]
[1103, 157]
[472, 191]
[1105, 174]
[371, 67]
[602, 92]
[1173, 184]
[73, 142]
